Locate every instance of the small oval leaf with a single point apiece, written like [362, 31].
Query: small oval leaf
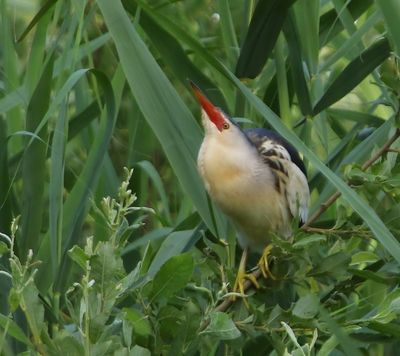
[222, 327]
[306, 307]
[172, 277]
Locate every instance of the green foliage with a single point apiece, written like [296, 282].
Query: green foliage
[87, 88]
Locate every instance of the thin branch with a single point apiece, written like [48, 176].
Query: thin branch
[337, 231]
[395, 150]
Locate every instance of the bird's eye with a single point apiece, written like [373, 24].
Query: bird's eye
[225, 126]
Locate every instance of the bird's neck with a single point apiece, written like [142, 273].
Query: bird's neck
[222, 162]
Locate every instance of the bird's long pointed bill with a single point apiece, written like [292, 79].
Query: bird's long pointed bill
[212, 111]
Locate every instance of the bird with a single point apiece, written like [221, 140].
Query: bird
[257, 179]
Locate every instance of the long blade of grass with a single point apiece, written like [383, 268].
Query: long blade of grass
[75, 125]
[33, 165]
[356, 116]
[348, 46]
[5, 202]
[281, 81]
[42, 12]
[56, 186]
[182, 35]
[176, 58]
[306, 14]
[296, 63]
[228, 32]
[170, 119]
[75, 206]
[83, 119]
[354, 73]
[77, 202]
[391, 12]
[19, 95]
[335, 156]
[37, 54]
[76, 54]
[13, 99]
[329, 26]
[11, 80]
[264, 29]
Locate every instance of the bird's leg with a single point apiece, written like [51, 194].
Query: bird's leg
[242, 275]
[263, 263]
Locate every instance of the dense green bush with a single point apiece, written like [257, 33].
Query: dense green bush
[90, 87]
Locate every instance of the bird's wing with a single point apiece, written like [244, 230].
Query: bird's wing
[297, 192]
[288, 168]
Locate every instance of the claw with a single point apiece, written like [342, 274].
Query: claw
[263, 263]
[242, 276]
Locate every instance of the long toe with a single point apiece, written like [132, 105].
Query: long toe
[263, 263]
[240, 280]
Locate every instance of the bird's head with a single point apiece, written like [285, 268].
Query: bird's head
[215, 122]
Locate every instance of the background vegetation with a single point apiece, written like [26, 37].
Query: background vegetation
[90, 87]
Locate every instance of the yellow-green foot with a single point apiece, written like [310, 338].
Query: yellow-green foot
[242, 276]
[263, 263]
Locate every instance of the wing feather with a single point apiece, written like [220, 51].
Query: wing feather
[288, 168]
[297, 192]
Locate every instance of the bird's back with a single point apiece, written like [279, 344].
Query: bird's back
[258, 136]
[288, 168]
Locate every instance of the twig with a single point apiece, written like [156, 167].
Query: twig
[337, 231]
[324, 206]
[395, 150]
[223, 306]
